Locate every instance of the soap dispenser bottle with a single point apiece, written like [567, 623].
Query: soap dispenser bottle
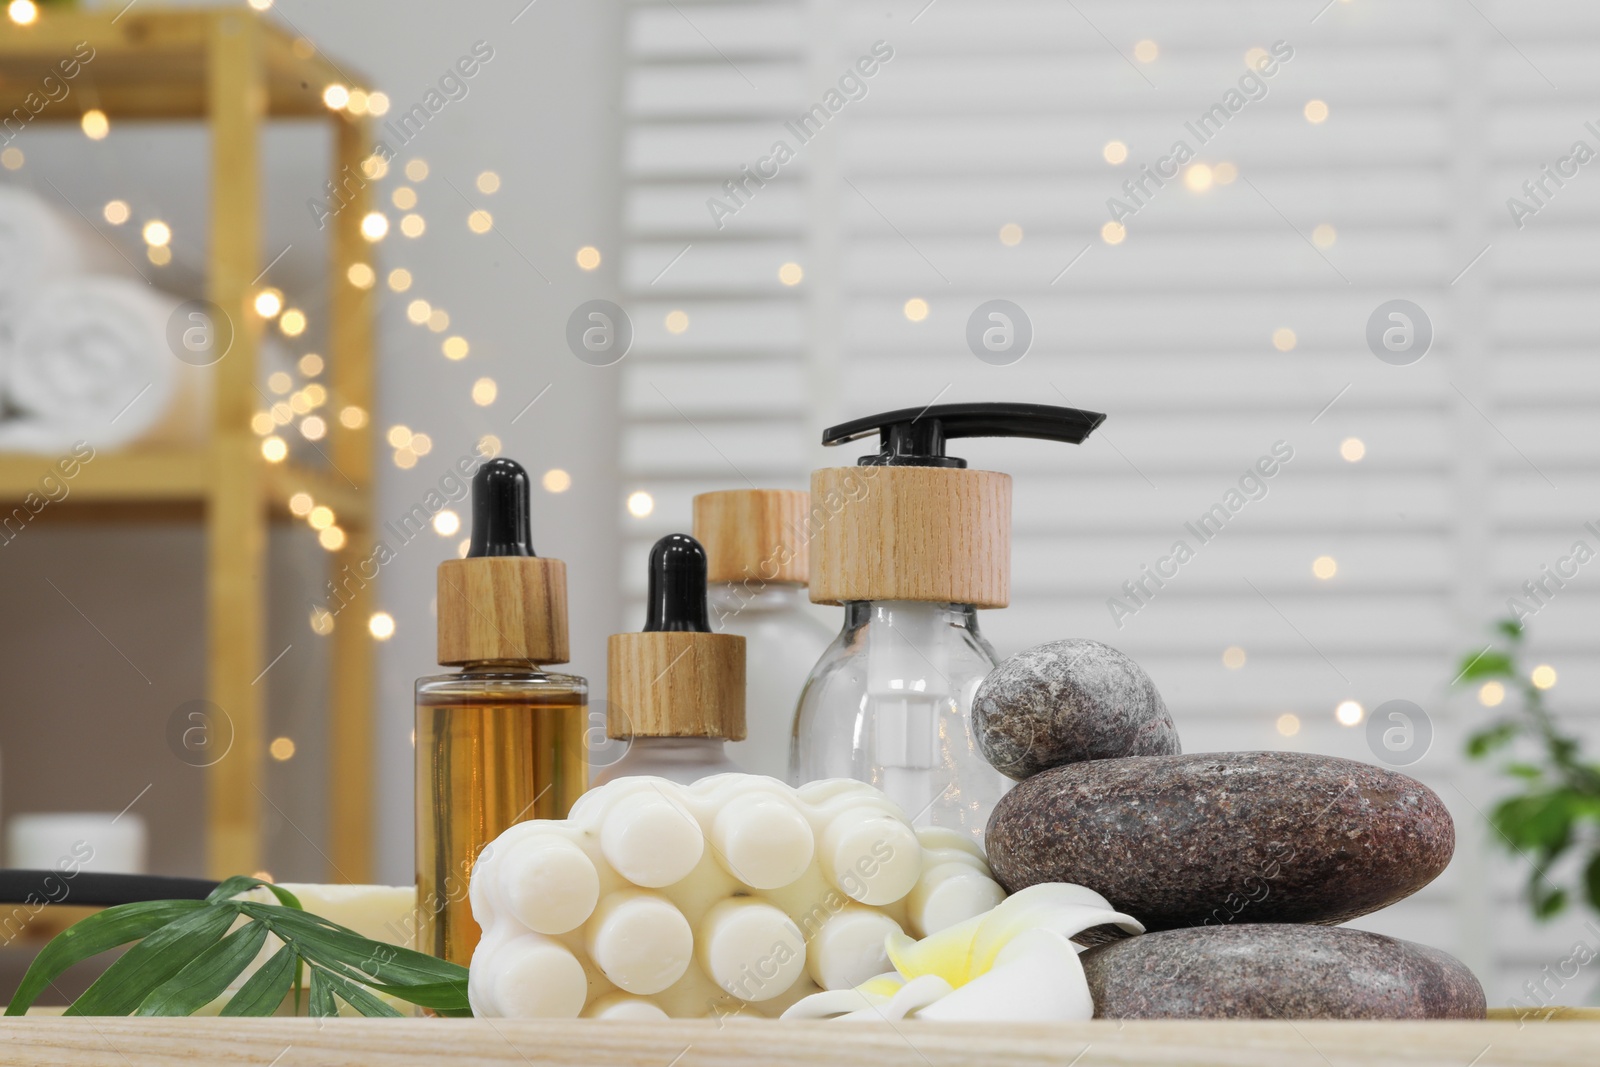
[502, 740]
[675, 692]
[913, 543]
[756, 559]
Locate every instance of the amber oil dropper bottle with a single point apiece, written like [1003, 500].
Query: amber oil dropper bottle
[502, 740]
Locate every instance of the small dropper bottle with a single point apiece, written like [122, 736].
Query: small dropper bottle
[501, 741]
[675, 691]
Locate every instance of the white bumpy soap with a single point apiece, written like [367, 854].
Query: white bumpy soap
[737, 894]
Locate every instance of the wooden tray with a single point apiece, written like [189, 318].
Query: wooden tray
[456, 1043]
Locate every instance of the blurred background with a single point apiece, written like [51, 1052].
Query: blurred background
[1357, 236]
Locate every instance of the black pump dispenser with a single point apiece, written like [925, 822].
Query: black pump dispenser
[677, 587]
[915, 437]
[501, 515]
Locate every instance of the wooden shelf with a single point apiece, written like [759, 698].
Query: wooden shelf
[140, 476]
[182, 477]
[151, 64]
[593, 1043]
[234, 69]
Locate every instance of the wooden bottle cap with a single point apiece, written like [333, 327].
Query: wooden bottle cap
[941, 534]
[675, 684]
[502, 607]
[753, 534]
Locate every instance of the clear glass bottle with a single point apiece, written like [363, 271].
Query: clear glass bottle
[912, 543]
[498, 742]
[890, 704]
[782, 642]
[758, 560]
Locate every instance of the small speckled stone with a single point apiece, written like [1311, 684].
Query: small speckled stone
[1226, 837]
[1067, 702]
[1269, 971]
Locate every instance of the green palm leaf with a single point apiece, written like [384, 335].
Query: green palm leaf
[187, 958]
[98, 933]
[320, 1003]
[152, 961]
[207, 977]
[356, 997]
[263, 991]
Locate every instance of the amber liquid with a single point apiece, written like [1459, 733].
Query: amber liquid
[493, 748]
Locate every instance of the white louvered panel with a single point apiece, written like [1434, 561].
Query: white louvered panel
[686, 32]
[756, 450]
[1400, 561]
[903, 145]
[737, 328]
[714, 92]
[1194, 321]
[710, 151]
[722, 404]
[679, 209]
[1340, 625]
[997, 113]
[1411, 197]
[1269, 257]
[755, 387]
[1264, 380]
[743, 267]
[1050, 27]
[1313, 501]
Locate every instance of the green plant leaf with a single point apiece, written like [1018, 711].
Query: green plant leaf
[356, 997]
[1548, 904]
[1556, 808]
[1591, 881]
[367, 961]
[187, 958]
[1488, 664]
[152, 961]
[264, 991]
[232, 887]
[1488, 740]
[1511, 628]
[1541, 821]
[91, 936]
[448, 999]
[320, 1004]
[206, 977]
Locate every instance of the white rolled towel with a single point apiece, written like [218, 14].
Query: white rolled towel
[89, 361]
[41, 242]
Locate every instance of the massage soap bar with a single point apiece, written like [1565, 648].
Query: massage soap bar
[735, 894]
[380, 912]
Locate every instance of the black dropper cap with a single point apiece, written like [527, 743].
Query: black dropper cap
[501, 515]
[915, 437]
[677, 586]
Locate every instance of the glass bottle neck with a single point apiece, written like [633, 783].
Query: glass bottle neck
[502, 666]
[858, 613]
[910, 638]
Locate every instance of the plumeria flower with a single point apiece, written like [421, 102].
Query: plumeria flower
[1014, 963]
